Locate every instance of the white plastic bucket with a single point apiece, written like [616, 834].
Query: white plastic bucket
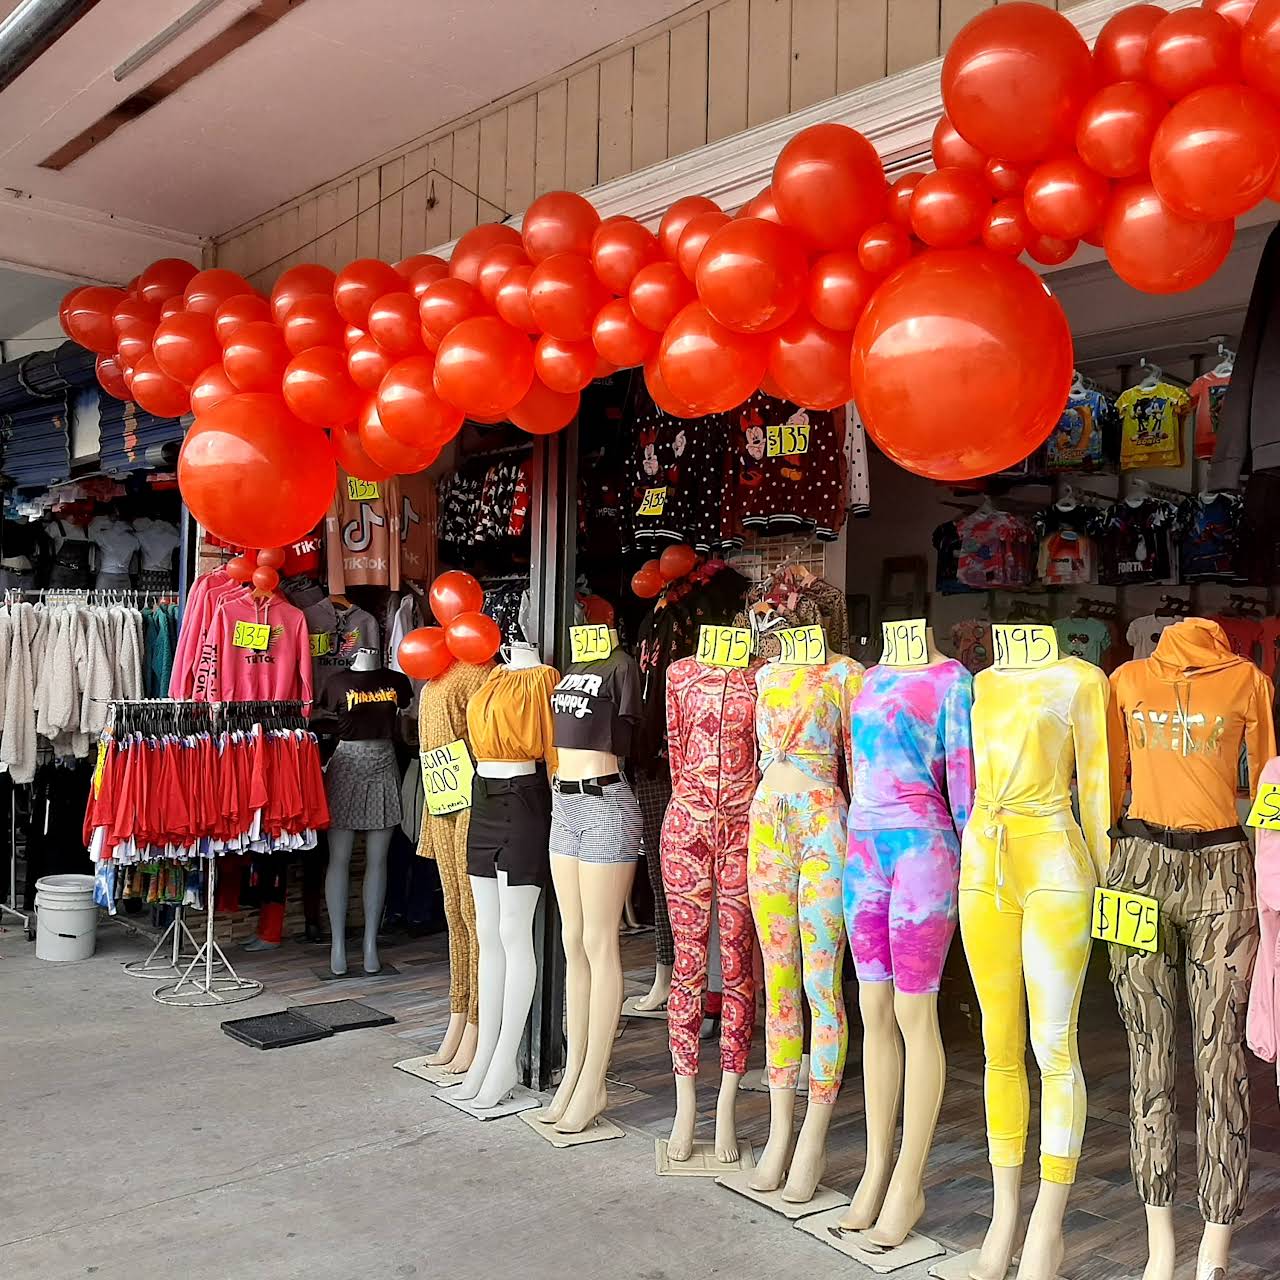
[66, 918]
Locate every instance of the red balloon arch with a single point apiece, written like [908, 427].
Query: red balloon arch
[831, 283]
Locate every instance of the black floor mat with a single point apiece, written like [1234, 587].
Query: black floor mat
[275, 1030]
[342, 1015]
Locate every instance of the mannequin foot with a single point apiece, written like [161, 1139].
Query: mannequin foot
[338, 956]
[260, 944]
[656, 997]
[1042, 1252]
[554, 1111]
[496, 1088]
[465, 1054]
[680, 1144]
[1160, 1244]
[372, 963]
[727, 1150]
[1215, 1246]
[864, 1208]
[899, 1216]
[449, 1045]
[996, 1255]
[807, 1168]
[585, 1108]
[772, 1166]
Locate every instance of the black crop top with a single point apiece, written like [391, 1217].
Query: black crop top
[596, 705]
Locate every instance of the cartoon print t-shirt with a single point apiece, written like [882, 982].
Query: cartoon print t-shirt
[1151, 425]
[1079, 441]
[1087, 638]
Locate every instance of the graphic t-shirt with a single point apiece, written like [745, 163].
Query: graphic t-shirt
[1151, 425]
[971, 640]
[1135, 543]
[1207, 394]
[1244, 635]
[996, 550]
[1079, 441]
[362, 537]
[302, 558]
[596, 705]
[335, 636]
[1068, 553]
[1087, 638]
[946, 542]
[1208, 538]
[1144, 633]
[363, 704]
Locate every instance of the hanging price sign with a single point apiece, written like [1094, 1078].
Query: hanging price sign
[786, 439]
[362, 490]
[1129, 919]
[724, 647]
[590, 643]
[100, 766]
[321, 643]
[905, 643]
[802, 646]
[252, 635]
[1024, 644]
[446, 778]
[1266, 808]
[654, 502]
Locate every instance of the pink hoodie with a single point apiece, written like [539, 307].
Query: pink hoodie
[282, 671]
[1264, 997]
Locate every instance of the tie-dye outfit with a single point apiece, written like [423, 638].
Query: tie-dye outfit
[711, 740]
[912, 789]
[1027, 876]
[795, 861]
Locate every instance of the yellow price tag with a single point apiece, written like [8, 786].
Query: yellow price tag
[321, 643]
[446, 778]
[786, 439]
[362, 490]
[1024, 644]
[1129, 919]
[905, 643]
[803, 646]
[252, 635]
[654, 503]
[591, 643]
[1266, 808]
[724, 647]
[101, 766]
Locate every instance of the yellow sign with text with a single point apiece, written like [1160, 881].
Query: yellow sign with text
[252, 635]
[786, 439]
[654, 502]
[1129, 919]
[724, 647]
[446, 778]
[1266, 808]
[802, 646]
[906, 643]
[591, 643]
[362, 490]
[1024, 644]
[321, 643]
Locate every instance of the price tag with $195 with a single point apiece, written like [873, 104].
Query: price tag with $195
[802, 646]
[906, 643]
[1024, 644]
[1130, 919]
[724, 647]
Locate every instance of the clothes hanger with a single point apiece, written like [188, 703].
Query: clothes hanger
[1153, 377]
[1068, 500]
[1226, 361]
[1077, 386]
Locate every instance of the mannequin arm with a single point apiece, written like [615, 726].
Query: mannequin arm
[1089, 727]
[957, 740]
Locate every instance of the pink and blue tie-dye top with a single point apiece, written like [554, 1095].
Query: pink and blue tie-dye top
[912, 749]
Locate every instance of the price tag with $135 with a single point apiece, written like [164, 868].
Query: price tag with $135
[252, 635]
[1265, 813]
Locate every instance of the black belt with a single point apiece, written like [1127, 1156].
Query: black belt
[587, 786]
[489, 787]
[1177, 837]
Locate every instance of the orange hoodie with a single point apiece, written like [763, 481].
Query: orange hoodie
[1179, 717]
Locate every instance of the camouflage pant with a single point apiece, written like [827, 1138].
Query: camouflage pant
[1207, 914]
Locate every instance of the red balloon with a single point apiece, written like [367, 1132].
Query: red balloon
[961, 319]
[367, 363]
[558, 222]
[174, 306]
[135, 342]
[661, 393]
[427, 274]
[185, 345]
[254, 475]
[839, 287]
[884, 247]
[484, 366]
[240, 568]
[255, 357]
[351, 334]
[314, 322]
[1120, 51]
[415, 262]
[512, 300]
[318, 388]
[543, 411]
[1216, 153]
[619, 248]
[130, 312]
[1051, 251]
[647, 581]
[494, 267]
[394, 324]
[360, 284]
[676, 561]
[707, 366]
[564, 296]
[211, 388]
[472, 637]
[951, 151]
[810, 363]
[676, 219]
[1191, 49]
[751, 275]
[657, 293]
[243, 309]
[423, 653]
[1237, 11]
[410, 409]
[164, 279]
[385, 451]
[1153, 249]
[473, 247]
[265, 579]
[448, 303]
[1006, 229]
[271, 557]
[207, 290]
[693, 239]
[565, 367]
[1003, 178]
[111, 377]
[306, 280]
[1116, 127]
[949, 207]
[1014, 80]
[64, 307]
[1260, 48]
[828, 183]
[454, 592]
[156, 392]
[762, 205]
[90, 312]
[1065, 198]
[900, 193]
[620, 338]
[351, 457]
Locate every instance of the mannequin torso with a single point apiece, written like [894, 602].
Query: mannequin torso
[520, 657]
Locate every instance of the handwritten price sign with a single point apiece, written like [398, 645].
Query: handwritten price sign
[724, 647]
[362, 490]
[1024, 644]
[654, 502]
[589, 643]
[1266, 808]
[1129, 919]
[446, 778]
[251, 635]
[905, 643]
[803, 646]
[786, 439]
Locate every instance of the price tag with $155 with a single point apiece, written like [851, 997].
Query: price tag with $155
[906, 643]
[446, 778]
[802, 646]
[1023, 645]
[724, 647]
[590, 643]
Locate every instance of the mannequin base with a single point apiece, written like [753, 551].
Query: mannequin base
[826, 1227]
[601, 1131]
[631, 1008]
[519, 1099]
[823, 1198]
[701, 1162]
[958, 1267]
[352, 975]
[423, 1070]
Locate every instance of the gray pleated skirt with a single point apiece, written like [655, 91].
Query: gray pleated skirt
[362, 783]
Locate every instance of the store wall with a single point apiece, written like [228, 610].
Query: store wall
[711, 72]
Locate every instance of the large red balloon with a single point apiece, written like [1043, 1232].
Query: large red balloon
[558, 222]
[210, 389]
[243, 309]
[751, 275]
[253, 475]
[423, 653]
[1014, 80]
[1191, 49]
[156, 392]
[306, 280]
[473, 247]
[1216, 153]
[810, 363]
[415, 262]
[884, 247]
[1153, 249]
[411, 410]
[762, 205]
[394, 324]
[130, 312]
[676, 218]
[494, 267]
[314, 322]
[135, 342]
[1006, 229]
[839, 288]
[165, 279]
[448, 303]
[472, 637]
[184, 345]
[454, 592]
[543, 411]
[318, 388]
[385, 450]
[657, 293]
[1049, 250]
[948, 207]
[619, 248]
[89, 317]
[172, 306]
[351, 457]
[111, 377]
[970, 327]
[484, 366]
[207, 290]
[255, 357]
[828, 183]
[620, 338]
[647, 581]
[1120, 51]
[64, 307]
[1237, 11]
[367, 363]
[1065, 198]
[707, 366]
[949, 150]
[1003, 178]
[1116, 126]
[564, 296]
[662, 394]
[676, 561]
[900, 193]
[1260, 48]
[360, 284]
[565, 367]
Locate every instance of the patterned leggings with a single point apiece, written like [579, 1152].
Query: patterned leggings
[795, 859]
[445, 840]
[653, 795]
[1207, 913]
[699, 852]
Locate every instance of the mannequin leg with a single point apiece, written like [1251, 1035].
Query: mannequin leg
[376, 846]
[461, 1060]
[882, 1086]
[436, 842]
[577, 980]
[604, 888]
[738, 1002]
[653, 795]
[493, 980]
[1162, 1249]
[337, 881]
[1215, 1251]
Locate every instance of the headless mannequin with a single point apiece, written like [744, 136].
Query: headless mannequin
[508, 968]
[337, 879]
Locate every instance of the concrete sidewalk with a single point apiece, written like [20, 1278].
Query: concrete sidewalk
[142, 1142]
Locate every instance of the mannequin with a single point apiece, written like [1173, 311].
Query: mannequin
[117, 545]
[362, 782]
[509, 720]
[653, 791]
[795, 861]
[1178, 718]
[73, 552]
[711, 737]
[595, 843]
[912, 783]
[1027, 878]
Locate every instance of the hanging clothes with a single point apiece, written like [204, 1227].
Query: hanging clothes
[1151, 418]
